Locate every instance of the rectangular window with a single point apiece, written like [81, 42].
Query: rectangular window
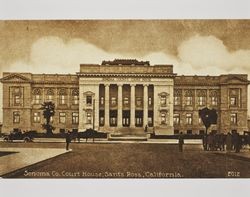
[214, 100]
[49, 97]
[200, 121]
[138, 121]
[62, 117]
[101, 121]
[125, 101]
[17, 96]
[233, 101]
[89, 100]
[163, 118]
[149, 101]
[113, 101]
[102, 100]
[89, 118]
[36, 117]
[138, 101]
[177, 100]
[176, 131]
[75, 118]
[189, 119]
[17, 100]
[75, 99]
[201, 132]
[163, 101]
[176, 119]
[37, 99]
[113, 121]
[62, 99]
[189, 100]
[233, 118]
[150, 121]
[201, 100]
[189, 132]
[16, 117]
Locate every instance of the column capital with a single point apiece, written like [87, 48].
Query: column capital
[145, 85]
[107, 84]
[119, 84]
[133, 85]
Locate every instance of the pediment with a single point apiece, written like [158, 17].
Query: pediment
[236, 80]
[163, 94]
[89, 93]
[15, 78]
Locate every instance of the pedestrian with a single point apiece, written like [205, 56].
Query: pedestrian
[222, 142]
[68, 140]
[204, 142]
[237, 142]
[234, 139]
[146, 129]
[209, 141]
[229, 141]
[181, 142]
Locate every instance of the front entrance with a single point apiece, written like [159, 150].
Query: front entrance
[125, 118]
[138, 118]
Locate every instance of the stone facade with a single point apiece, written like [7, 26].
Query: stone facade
[125, 96]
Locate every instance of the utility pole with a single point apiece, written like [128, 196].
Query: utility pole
[93, 114]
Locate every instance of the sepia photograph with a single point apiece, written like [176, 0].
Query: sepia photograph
[124, 99]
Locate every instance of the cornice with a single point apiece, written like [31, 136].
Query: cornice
[126, 75]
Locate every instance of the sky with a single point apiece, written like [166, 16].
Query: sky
[201, 47]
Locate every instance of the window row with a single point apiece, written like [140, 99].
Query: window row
[201, 100]
[37, 117]
[37, 99]
[189, 119]
[125, 100]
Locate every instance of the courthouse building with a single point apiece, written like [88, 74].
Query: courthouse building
[123, 96]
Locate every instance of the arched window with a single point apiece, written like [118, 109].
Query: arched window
[62, 96]
[50, 94]
[201, 97]
[75, 96]
[37, 95]
[189, 97]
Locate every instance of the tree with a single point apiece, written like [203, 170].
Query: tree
[208, 117]
[48, 112]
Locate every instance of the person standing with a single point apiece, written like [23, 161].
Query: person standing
[229, 141]
[181, 142]
[68, 139]
[146, 129]
[237, 142]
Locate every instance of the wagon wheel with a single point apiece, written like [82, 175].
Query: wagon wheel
[26, 139]
[6, 139]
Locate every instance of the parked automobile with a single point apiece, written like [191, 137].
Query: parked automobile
[17, 134]
[89, 133]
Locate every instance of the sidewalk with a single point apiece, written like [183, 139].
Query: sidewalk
[24, 157]
[103, 140]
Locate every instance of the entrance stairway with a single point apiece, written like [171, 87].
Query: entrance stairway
[128, 134]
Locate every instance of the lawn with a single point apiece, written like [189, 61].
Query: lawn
[131, 161]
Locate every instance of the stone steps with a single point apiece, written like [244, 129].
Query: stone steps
[127, 138]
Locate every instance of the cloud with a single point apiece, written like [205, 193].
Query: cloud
[208, 51]
[200, 55]
[197, 55]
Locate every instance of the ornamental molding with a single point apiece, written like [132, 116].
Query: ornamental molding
[15, 78]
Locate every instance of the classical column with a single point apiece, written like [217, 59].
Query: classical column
[119, 106]
[106, 103]
[145, 105]
[132, 105]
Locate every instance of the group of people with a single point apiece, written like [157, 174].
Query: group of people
[229, 142]
[214, 142]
